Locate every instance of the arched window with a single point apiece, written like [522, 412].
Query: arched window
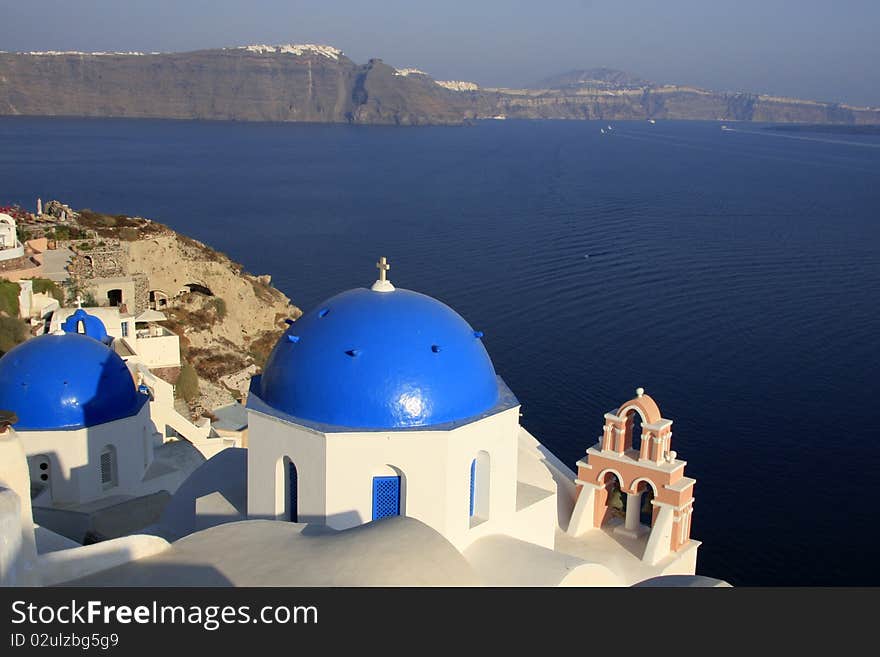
[645, 491]
[293, 492]
[479, 493]
[286, 490]
[614, 498]
[473, 476]
[108, 467]
[634, 430]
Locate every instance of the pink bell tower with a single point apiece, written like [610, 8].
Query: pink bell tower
[637, 467]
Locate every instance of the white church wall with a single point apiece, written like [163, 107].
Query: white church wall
[335, 473]
[67, 455]
[270, 440]
[435, 469]
[354, 459]
[10, 538]
[496, 436]
[75, 458]
[18, 552]
[335, 477]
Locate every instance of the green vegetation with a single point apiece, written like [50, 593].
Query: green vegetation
[9, 298]
[66, 233]
[73, 292]
[181, 318]
[45, 286]
[212, 364]
[129, 234]
[219, 306]
[263, 291]
[260, 348]
[187, 386]
[94, 219]
[12, 332]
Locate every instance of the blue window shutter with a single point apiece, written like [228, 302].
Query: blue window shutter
[386, 497]
[473, 477]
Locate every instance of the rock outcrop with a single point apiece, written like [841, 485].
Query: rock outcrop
[227, 320]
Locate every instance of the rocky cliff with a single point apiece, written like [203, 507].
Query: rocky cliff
[320, 84]
[662, 102]
[227, 319]
[253, 83]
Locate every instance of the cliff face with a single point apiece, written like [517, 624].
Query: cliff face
[320, 84]
[669, 102]
[266, 83]
[227, 323]
[227, 319]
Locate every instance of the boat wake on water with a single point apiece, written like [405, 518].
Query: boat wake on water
[816, 139]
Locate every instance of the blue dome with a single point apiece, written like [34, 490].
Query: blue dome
[66, 382]
[81, 322]
[380, 360]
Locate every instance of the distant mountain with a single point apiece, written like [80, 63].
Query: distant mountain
[596, 78]
[315, 83]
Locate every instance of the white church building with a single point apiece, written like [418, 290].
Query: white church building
[384, 402]
[377, 424]
[86, 430]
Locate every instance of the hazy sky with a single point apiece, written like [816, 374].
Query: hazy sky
[806, 48]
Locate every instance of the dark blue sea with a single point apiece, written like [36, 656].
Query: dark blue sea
[735, 275]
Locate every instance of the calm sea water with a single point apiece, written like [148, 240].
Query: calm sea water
[734, 275]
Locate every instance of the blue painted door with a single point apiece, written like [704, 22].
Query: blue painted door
[293, 481]
[386, 497]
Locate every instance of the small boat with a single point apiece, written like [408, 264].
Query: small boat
[651, 121]
[602, 130]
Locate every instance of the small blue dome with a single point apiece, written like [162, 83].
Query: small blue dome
[380, 360]
[81, 322]
[66, 381]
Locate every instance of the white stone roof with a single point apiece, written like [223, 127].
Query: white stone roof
[395, 551]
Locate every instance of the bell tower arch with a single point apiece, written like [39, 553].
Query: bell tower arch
[655, 495]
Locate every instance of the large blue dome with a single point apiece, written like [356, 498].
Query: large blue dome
[380, 360]
[66, 381]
